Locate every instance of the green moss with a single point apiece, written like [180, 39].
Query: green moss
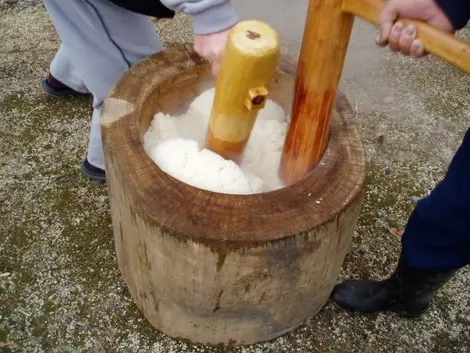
[30, 118]
[37, 210]
[3, 335]
[35, 109]
[20, 237]
[16, 101]
[397, 192]
[69, 349]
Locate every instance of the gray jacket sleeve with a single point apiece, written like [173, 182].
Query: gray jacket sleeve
[208, 16]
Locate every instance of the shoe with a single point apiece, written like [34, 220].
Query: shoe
[92, 172]
[408, 292]
[54, 87]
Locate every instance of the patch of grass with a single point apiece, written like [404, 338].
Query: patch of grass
[396, 191]
[28, 122]
[35, 213]
[3, 335]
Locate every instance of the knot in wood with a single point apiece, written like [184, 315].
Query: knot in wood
[252, 35]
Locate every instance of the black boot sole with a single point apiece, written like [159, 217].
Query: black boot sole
[397, 312]
[100, 177]
[56, 92]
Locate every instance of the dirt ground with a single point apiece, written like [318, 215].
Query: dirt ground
[60, 286]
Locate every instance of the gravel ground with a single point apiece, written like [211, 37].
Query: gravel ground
[60, 287]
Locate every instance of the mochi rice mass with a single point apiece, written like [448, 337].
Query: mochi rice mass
[176, 145]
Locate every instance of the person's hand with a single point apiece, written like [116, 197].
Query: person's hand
[212, 47]
[403, 38]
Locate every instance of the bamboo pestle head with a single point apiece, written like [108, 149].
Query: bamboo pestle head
[242, 88]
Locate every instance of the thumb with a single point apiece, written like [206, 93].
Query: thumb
[386, 20]
[215, 68]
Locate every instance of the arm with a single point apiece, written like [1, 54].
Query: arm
[458, 11]
[208, 16]
[212, 20]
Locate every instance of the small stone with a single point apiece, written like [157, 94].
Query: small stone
[381, 139]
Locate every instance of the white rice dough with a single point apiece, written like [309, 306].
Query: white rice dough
[175, 144]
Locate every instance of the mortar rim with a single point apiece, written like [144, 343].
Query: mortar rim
[195, 229]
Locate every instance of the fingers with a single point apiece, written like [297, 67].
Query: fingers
[400, 37]
[386, 19]
[407, 36]
[417, 49]
[212, 48]
[408, 44]
[207, 52]
[216, 68]
[214, 59]
[403, 39]
[395, 35]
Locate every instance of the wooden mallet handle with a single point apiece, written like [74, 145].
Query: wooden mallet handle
[248, 66]
[326, 37]
[325, 41]
[436, 42]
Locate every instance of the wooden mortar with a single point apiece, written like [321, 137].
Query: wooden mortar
[218, 269]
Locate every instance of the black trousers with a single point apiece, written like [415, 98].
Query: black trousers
[437, 235]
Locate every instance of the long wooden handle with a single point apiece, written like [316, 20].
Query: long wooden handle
[325, 41]
[247, 69]
[435, 41]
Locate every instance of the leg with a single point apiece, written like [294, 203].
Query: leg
[438, 233]
[102, 42]
[63, 78]
[436, 243]
[93, 165]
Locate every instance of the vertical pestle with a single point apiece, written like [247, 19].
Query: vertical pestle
[247, 68]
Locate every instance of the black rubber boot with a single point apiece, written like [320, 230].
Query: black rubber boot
[408, 292]
[93, 172]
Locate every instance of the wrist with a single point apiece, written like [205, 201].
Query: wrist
[456, 11]
[214, 19]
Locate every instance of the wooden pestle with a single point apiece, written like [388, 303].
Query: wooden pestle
[247, 68]
[326, 37]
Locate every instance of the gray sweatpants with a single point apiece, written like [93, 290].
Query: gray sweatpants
[100, 42]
